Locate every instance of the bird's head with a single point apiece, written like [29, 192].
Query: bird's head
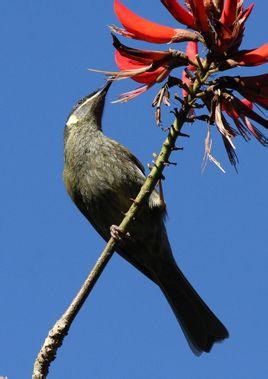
[89, 110]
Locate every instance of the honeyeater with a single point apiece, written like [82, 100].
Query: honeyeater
[103, 177]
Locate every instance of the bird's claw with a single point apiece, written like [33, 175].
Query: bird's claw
[117, 234]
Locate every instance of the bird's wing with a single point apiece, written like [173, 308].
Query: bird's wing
[155, 200]
[103, 219]
[128, 155]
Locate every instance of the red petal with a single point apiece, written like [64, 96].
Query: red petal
[126, 63]
[144, 56]
[145, 30]
[200, 15]
[152, 77]
[243, 109]
[229, 12]
[228, 107]
[254, 57]
[145, 66]
[191, 52]
[179, 12]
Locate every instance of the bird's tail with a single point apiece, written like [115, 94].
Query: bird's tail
[200, 326]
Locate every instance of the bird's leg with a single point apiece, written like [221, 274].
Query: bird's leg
[117, 234]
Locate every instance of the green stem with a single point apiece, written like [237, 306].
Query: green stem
[56, 335]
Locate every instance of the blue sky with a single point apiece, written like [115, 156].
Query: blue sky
[217, 223]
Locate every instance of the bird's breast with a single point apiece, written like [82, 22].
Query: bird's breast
[97, 173]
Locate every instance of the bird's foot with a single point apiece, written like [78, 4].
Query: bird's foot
[117, 234]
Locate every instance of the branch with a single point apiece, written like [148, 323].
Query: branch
[56, 335]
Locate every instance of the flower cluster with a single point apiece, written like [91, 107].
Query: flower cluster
[219, 26]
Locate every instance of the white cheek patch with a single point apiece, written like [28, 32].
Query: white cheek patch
[72, 120]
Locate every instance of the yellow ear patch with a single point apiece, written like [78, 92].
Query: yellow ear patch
[72, 120]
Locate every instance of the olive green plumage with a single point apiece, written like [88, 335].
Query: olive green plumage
[102, 177]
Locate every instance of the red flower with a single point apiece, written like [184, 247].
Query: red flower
[253, 57]
[220, 26]
[139, 28]
[254, 88]
[240, 111]
[230, 27]
[221, 23]
[144, 66]
[157, 64]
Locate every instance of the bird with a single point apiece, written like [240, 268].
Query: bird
[102, 177]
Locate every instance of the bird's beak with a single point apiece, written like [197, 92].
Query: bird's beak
[105, 88]
[90, 106]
